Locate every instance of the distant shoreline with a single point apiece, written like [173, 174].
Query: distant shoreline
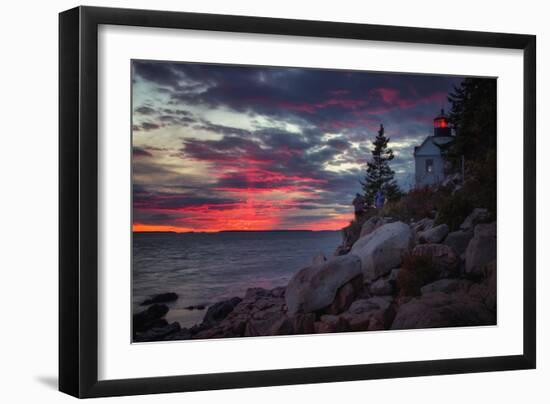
[233, 231]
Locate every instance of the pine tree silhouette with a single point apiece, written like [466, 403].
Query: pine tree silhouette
[379, 175]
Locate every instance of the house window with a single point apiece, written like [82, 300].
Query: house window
[429, 165]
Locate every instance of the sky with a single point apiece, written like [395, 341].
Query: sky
[228, 147]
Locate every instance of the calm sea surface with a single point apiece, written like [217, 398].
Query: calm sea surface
[203, 268]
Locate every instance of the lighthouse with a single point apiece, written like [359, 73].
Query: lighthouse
[429, 163]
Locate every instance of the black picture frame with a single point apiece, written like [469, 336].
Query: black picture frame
[78, 201]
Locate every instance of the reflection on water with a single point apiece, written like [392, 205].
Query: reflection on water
[203, 268]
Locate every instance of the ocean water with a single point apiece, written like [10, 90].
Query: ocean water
[203, 268]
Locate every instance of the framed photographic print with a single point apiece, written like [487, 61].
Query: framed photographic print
[251, 201]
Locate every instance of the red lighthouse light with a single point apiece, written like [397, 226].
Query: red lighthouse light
[441, 123]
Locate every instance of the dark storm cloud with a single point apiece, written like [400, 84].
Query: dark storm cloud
[326, 98]
[169, 201]
[150, 125]
[308, 132]
[139, 152]
[145, 110]
[159, 73]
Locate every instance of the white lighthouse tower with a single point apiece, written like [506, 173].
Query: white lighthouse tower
[428, 161]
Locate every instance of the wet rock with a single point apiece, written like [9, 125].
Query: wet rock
[152, 317]
[157, 333]
[219, 311]
[260, 312]
[161, 298]
[381, 250]
[196, 307]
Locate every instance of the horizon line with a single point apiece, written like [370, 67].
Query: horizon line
[230, 231]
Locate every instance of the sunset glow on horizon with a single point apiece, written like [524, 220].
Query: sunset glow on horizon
[225, 147]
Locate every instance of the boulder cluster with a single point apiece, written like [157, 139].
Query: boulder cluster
[392, 275]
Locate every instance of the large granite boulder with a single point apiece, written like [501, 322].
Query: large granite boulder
[365, 314]
[330, 323]
[446, 286]
[422, 225]
[443, 258]
[382, 287]
[304, 323]
[315, 287]
[437, 309]
[459, 240]
[382, 250]
[267, 320]
[478, 215]
[433, 235]
[481, 250]
[486, 291]
[372, 224]
[345, 296]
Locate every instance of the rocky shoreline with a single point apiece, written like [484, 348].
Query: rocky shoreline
[386, 275]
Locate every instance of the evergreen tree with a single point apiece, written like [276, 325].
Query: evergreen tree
[474, 116]
[379, 175]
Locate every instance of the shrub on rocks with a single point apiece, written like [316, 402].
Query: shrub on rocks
[443, 258]
[453, 210]
[416, 271]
